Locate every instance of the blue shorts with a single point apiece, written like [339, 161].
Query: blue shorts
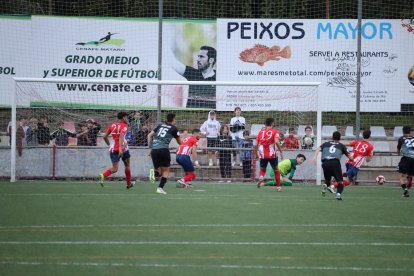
[351, 171]
[185, 162]
[115, 156]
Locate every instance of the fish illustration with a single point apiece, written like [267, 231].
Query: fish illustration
[260, 54]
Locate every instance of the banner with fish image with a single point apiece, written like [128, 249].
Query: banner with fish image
[313, 50]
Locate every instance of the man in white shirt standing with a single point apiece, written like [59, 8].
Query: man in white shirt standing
[237, 127]
[211, 128]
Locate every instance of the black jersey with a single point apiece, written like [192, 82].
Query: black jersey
[333, 150]
[200, 95]
[163, 135]
[406, 146]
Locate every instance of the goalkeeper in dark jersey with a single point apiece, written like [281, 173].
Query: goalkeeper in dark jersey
[332, 152]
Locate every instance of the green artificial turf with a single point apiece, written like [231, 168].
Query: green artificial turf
[79, 228]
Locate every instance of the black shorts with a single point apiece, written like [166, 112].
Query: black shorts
[211, 142]
[160, 158]
[332, 168]
[273, 163]
[406, 165]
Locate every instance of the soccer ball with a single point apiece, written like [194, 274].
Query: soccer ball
[380, 179]
[307, 141]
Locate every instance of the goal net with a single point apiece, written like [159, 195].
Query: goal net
[66, 119]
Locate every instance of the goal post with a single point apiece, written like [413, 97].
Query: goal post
[76, 101]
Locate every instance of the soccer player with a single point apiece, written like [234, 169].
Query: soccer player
[287, 170]
[159, 140]
[266, 142]
[187, 147]
[118, 149]
[200, 95]
[405, 147]
[332, 152]
[361, 149]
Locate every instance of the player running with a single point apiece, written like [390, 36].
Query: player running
[159, 141]
[118, 149]
[406, 166]
[187, 147]
[361, 149]
[332, 152]
[266, 142]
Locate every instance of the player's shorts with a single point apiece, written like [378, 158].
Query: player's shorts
[332, 168]
[185, 162]
[115, 156]
[351, 171]
[272, 161]
[160, 158]
[406, 165]
[211, 142]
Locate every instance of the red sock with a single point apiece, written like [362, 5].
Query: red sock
[107, 173]
[262, 172]
[277, 175]
[346, 183]
[409, 182]
[189, 176]
[336, 185]
[128, 176]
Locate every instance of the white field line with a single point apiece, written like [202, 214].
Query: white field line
[209, 225]
[223, 266]
[202, 243]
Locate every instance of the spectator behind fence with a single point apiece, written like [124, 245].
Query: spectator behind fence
[291, 142]
[61, 135]
[308, 141]
[93, 131]
[31, 133]
[237, 126]
[43, 133]
[19, 138]
[141, 136]
[225, 141]
[83, 135]
[246, 155]
[211, 128]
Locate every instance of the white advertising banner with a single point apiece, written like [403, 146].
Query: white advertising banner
[14, 55]
[93, 48]
[317, 51]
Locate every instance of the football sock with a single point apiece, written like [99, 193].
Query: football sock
[346, 183]
[157, 173]
[262, 172]
[409, 181]
[189, 176]
[107, 173]
[340, 188]
[128, 176]
[277, 175]
[162, 182]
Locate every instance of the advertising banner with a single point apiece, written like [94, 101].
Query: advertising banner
[295, 50]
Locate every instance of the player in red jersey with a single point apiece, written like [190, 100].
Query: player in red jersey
[118, 149]
[361, 149]
[266, 142]
[187, 147]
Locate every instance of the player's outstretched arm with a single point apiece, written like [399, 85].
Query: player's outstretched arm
[315, 156]
[106, 139]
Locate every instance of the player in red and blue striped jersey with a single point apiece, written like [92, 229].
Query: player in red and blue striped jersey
[188, 147]
[118, 148]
